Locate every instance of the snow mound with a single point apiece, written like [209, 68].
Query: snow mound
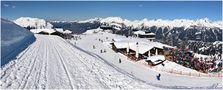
[33, 22]
[13, 37]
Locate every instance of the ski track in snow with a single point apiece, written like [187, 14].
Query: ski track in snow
[50, 62]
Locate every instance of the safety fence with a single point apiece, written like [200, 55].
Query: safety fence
[187, 73]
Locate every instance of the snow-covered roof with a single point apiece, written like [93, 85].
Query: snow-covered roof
[143, 45]
[142, 48]
[67, 32]
[43, 30]
[139, 32]
[150, 33]
[121, 45]
[143, 33]
[59, 30]
[118, 39]
[156, 57]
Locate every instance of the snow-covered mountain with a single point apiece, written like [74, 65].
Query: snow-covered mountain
[182, 29]
[30, 23]
[205, 22]
[13, 39]
[201, 29]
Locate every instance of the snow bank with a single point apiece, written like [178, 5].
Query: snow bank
[13, 39]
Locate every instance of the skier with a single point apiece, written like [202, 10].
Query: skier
[101, 51]
[93, 47]
[104, 50]
[120, 60]
[158, 76]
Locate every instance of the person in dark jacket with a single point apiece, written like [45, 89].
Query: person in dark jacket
[120, 60]
[101, 51]
[158, 76]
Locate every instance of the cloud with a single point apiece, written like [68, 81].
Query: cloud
[6, 5]
[13, 6]
[140, 5]
[9, 5]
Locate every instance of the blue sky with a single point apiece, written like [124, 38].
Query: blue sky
[78, 10]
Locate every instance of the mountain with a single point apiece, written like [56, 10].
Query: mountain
[31, 23]
[76, 27]
[171, 31]
[201, 29]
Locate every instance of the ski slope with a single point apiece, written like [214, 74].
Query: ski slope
[138, 70]
[52, 63]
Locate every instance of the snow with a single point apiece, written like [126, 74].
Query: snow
[90, 20]
[63, 31]
[67, 32]
[116, 24]
[156, 57]
[13, 37]
[141, 47]
[59, 30]
[139, 32]
[43, 30]
[139, 70]
[200, 55]
[91, 31]
[53, 63]
[217, 43]
[33, 22]
[172, 66]
[121, 45]
[112, 20]
[186, 23]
